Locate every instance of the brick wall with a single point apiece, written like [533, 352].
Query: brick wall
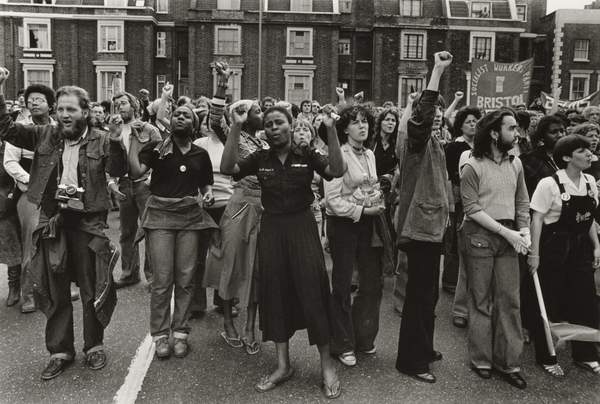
[572, 32]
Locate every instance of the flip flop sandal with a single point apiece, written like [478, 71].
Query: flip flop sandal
[334, 390]
[231, 341]
[554, 370]
[252, 348]
[267, 384]
[593, 367]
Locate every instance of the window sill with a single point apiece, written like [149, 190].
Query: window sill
[107, 51]
[227, 54]
[414, 59]
[300, 56]
[161, 56]
[36, 50]
[581, 60]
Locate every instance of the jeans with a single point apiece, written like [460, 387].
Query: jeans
[461, 294]
[495, 336]
[355, 324]
[130, 210]
[59, 327]
[29, 216]
[173, 256]
[415, 344]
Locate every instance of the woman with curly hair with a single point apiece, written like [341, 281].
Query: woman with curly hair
[353, 201]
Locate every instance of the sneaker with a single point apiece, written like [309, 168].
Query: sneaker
[347, 358]
[180, 347]
[371, 351]
[96, 360]
[163, 349]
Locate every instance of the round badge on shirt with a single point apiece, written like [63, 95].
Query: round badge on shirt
[183, 168]
[565, 197]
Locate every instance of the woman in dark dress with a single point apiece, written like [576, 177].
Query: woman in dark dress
[293, 285]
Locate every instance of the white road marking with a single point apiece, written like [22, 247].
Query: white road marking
[137, 372]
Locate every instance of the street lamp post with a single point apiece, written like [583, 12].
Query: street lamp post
[260, 15]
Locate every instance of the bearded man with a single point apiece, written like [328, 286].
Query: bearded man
[68, 183]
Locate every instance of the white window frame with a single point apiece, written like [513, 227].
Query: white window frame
[409, 76]
[111, 23]
[36, 21]
[160, 78]
[296, 6]
[287, 42]
[310, 74]
[228, 4]
[165, 10]
[524, 15]
[586, 90]
[404, 42]
[108, 68]
[345, 41]
[27, 67]
[42, 4]
[401, 8]
[489, 5]
[161, 37]
[239, 39]
[235, 77]
[586, 59]
[345, 6]
[482, 34]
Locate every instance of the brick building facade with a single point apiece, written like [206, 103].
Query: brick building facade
[571, 51]
[309, 47]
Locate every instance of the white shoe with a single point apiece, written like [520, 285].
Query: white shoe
[348, 358]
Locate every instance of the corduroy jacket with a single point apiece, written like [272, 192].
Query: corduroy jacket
[422, 211]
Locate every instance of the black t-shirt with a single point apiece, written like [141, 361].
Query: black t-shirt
[177, 175]
[285, 188]
[385, 159]
[453, 152]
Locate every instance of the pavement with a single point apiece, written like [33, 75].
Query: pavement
[216, 373]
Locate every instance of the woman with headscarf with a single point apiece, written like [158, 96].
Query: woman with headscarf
[231, 267]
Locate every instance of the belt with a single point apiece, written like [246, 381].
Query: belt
[144, 178]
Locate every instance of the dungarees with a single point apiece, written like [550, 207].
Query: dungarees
[566, 273]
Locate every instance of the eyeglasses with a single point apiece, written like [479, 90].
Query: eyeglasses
[36, 100]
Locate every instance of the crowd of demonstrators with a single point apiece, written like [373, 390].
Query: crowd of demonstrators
[236, 195]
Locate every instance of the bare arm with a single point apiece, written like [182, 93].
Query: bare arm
[337, 165]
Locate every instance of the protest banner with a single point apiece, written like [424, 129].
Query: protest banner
[592, 99]
[495, 85]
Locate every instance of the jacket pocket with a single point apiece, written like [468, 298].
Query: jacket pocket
[478, 246]
[429, 218]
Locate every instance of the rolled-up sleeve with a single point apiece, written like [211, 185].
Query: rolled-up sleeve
[521, 198]
[335, 202]
[12, 165]
[469, 190]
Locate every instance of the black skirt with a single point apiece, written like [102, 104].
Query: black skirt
[293, 283]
